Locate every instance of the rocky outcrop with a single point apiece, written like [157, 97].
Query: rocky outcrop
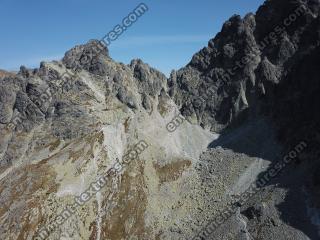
[67, 123]
[5, 74]
[238, 73]
[88, 57]
[263, 65]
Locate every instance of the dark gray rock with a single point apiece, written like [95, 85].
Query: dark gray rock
[90, 57]
[7, 99]
[236, 76]
[258, 66]
[150, 81]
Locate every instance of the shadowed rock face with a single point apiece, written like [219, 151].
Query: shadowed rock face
[88, 57]
[251, 58]
[263, 65]
[256, 83]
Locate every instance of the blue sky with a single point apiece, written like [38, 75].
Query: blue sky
[165, 37]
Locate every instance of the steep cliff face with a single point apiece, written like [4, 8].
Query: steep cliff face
[246, 67]
[67, 124]
[264, 65]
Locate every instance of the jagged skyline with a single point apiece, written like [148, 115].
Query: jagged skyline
[164, 32]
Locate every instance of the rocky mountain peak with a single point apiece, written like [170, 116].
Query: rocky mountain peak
[89, 57]
[245, 110]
